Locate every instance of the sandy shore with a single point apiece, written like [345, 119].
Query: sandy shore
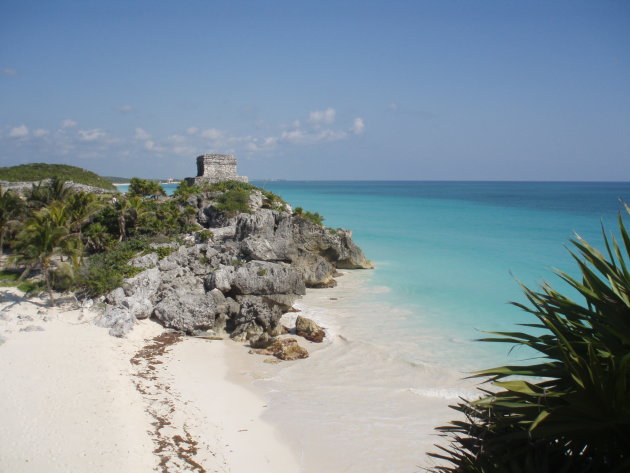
[75, 399]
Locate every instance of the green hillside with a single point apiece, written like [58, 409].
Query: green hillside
[38, 171]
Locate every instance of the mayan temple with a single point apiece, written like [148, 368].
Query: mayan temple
[213, 168]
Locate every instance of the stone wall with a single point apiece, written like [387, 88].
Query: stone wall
[213, 168]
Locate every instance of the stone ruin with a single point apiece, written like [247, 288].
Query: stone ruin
[213, 168]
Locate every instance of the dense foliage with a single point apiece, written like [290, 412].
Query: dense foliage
[39, 171]
[81, 241]
[144, 188]
[569, 411]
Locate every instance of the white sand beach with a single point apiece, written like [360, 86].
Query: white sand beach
[75, 399]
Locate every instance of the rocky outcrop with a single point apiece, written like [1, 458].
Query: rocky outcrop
[308, 329]
[241, 280]
[286, 349]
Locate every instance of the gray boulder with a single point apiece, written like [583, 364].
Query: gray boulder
[264, 278]
[145, 261]
[192, 312]
[257, 315]
[266, 235]
[120, 321]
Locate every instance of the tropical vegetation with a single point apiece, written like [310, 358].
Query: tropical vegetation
[569, 409]
[68, 239]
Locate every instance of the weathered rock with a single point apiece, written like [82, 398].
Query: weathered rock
[266, 235]
[145, 261]
[305, 327]
[143, 285]
[120, 321]
[2, 339]
[193, 312]
[256, 315]
[263, 278]
[316, 270]
[336, 246]
[140, 308]
[32, 328]
[262, 341]
[284, 349]
[221, 279]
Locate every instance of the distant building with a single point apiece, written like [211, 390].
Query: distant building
[213, 168]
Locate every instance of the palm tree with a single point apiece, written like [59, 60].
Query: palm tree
[10, 208]
[129, 212]
[569, 410]
[40, 240]
[81, 207]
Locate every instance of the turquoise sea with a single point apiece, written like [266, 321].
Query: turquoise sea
[401, 339]
[449, 256]
[452, 253]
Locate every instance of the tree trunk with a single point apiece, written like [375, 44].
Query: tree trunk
[121, 227]
[48, 286]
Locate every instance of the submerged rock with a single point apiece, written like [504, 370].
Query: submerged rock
[305, 327]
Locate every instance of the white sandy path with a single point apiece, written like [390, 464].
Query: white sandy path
[229, 414]
[67, 403]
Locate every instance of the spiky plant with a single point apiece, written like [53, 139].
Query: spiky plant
[570, 410]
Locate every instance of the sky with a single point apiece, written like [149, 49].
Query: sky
[370, 90]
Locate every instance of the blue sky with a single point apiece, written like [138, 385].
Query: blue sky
[426, 89]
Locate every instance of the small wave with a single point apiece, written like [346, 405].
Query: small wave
[445, 393]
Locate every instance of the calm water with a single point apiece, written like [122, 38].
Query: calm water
[401, 338]
[448, 257]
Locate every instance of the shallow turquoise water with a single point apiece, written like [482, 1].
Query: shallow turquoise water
[452, 252]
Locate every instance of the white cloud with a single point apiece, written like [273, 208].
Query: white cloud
[212, 134]
[177, 138]
[7, 71]
[39, 132]
[141, 134]
[91, 135]
[149, 145]
[323, 117]
[68, 123]
[358, 126]
[125, 108]
[18, 131]
[192, 130]
[393, 106]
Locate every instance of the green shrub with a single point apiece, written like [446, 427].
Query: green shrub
[104, 272]
[569, 410]
[8, 278]
[233, 201]
[32, 287]
[237, 262]
[144, 188]
[164, 251]
[205, 235]
[261, 272]
[185, 190]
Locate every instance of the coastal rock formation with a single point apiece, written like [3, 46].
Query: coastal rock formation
[239, 281]
[308, 329]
